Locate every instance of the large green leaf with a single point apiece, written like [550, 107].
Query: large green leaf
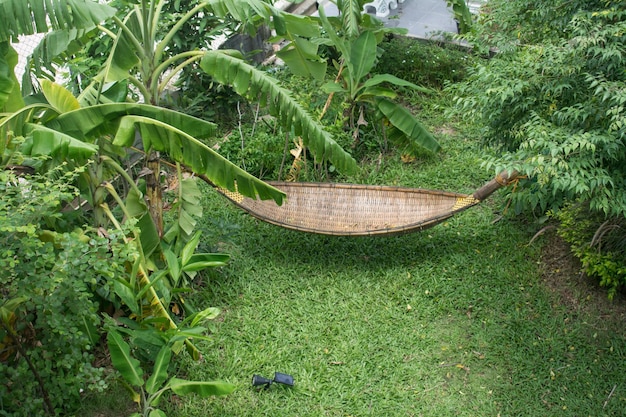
[110, 93]
[173, 266]
[25, 17]
[302, 59]
[207, 314]
[102, 119]
[190, 248]
[301, 26]
[370, 94]
[362, 56]
[392, 79]
[201, 159]
[333, 87]
[127, 366]
[159, 370]
[200, 261]
[240, 9]
[230, 70]
[10, 96]
[150, 239]
[126, 294]
[405, 122]
[202, 388]
[58, 96]
[49, 142]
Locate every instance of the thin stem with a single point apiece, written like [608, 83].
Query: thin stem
[175, 72]
[108, 32]
[331, 95]
[117, 167]
[136, 43]
[194, 56]
[142, 88]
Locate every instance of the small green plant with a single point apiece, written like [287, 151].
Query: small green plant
[147, 385]
[369, 96]
[600, 244]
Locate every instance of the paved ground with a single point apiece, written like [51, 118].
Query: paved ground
[422, 18]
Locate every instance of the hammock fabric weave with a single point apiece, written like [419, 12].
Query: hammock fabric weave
[362, 210]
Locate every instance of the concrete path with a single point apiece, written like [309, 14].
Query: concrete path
[422, 18]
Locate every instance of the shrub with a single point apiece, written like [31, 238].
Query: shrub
[49, 314]
[558, 112]
[423, 63]
[257, 148]
[600, 244]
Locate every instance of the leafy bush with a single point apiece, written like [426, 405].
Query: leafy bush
[423, 63]
[49, 315]
[504, 23]
[558, 112]
[257, 148]
[600, 244]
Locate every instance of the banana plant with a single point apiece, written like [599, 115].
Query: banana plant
[139, 55]
[358, 49]
[56, 128]
[146, 389]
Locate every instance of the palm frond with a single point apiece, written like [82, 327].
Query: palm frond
[97, 120]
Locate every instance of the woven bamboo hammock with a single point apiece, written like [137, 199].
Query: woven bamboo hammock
[362, 210]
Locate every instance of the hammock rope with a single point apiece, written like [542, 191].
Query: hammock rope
[362, 210]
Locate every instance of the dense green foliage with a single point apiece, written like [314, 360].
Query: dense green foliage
[600, 244]
[505, 24]
[51, 286]
[554, 100]
[559, 110]
[423, 63]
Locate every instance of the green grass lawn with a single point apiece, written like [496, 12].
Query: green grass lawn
[453, 321]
